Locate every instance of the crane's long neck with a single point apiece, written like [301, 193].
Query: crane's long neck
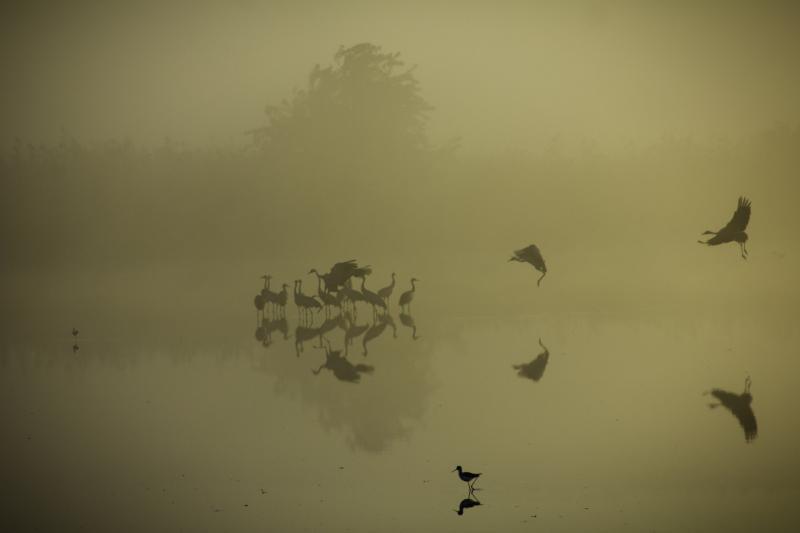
[413, 286]
[392, 285]
[319, 283]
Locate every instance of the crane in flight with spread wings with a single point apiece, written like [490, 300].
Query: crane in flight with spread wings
[734, 230]
[531, 254]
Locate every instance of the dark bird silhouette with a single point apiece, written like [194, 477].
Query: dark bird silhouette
[467, 503]
[352, 331]
[307, 303]
[349, 294]
[340, 273]
[734, 229]
[301, 335]
[371, 298]
[739, 405]
[75, 333]
[269, 296]
[328, 300]
[373, 333]
[532, 255]
[535, 369]
[281, 299]
[386, 292]
[467, 477]
[406, 297]
[342, 369]
[408, 321]
[75, 348]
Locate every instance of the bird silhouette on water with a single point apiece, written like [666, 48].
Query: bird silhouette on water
[734, 229]
[340, 273]
[535, 369]
[740, 406]
[467, 503]
[386, 292]
[467, 477]
[408, 296]
[531, 254]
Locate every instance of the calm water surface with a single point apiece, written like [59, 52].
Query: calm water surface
[193, 424]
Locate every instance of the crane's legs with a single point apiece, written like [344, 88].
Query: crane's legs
[744, 250]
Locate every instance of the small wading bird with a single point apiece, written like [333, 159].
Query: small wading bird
[406, 297]
[467, 477]
[532, 255]
[734, 229]
[739, 405]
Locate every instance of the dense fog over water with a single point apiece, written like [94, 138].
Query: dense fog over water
[166, 169]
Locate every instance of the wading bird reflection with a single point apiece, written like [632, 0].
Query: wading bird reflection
[535, 369]
[531, 254]
[740, 406]
[467, 503]
[734, 229]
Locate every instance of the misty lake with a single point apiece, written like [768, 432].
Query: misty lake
[198, 421]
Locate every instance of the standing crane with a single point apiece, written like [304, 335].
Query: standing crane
[531, 254]
[406, 297]
[386, 292]
[734, 229]
[371, 298]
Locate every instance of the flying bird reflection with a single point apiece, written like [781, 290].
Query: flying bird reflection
[535, 369]
[532, 255]
[734, 229]
[739, 405]
[342, 369]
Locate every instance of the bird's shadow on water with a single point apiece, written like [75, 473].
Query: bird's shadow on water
[740, 406]
[535, 369]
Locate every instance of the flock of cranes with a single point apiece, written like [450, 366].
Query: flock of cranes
[334, 292]
[338, 300]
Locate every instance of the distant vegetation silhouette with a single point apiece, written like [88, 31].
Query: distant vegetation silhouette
[363, 112]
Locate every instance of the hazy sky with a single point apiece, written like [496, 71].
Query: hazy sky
[502, 76]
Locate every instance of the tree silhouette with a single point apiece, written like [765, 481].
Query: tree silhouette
[363, 111]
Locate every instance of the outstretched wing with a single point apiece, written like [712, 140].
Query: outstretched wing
[532, 255]
[740, 217]
[740, 408]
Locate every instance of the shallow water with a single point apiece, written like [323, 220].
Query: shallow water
[195, 425]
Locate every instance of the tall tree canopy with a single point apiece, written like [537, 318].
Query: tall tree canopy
[362, 111]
